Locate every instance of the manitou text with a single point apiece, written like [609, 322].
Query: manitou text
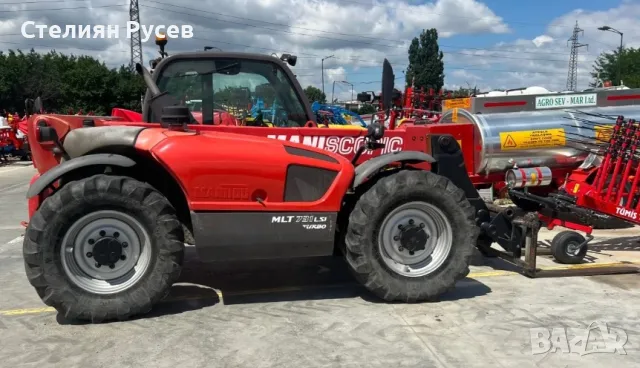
[341, 145]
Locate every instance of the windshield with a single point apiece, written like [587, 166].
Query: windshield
[250, 92]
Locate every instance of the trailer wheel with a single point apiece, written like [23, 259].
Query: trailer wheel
[103, 248]
[410, 236]
[565, 247]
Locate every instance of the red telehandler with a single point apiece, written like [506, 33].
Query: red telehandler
[107, 209]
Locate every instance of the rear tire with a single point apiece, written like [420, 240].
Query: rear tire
[134, 232]
[446, 214]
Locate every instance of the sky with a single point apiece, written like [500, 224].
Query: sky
[492, 44]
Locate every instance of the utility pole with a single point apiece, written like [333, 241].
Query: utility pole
[332, 91]
[607, 28]
[136, 43]
[322, 63]
[345, 82]
[572, 77]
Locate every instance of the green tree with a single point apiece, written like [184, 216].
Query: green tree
[66, 83]
[367, 109]
[315, 94]
[606, 65]
[463, 92]
[425, 61]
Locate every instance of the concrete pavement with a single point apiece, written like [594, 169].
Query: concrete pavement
[310, 313]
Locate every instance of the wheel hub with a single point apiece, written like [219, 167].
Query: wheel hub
[573, 249]
[107, 251]
[413, 238]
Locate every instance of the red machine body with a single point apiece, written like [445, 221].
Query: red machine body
[344, 142]
[202, 176]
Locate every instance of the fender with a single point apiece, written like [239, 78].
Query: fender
[371, 166]
[67, 166]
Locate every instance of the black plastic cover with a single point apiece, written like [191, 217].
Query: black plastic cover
[175, 115]
[307, 184]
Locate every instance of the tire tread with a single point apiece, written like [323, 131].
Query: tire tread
[367, 265]
[47, 277]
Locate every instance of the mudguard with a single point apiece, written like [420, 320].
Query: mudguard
[369, 167]
[67, 166]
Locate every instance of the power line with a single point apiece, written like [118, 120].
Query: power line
[279, 30]
[407, 7]
[315, 30]
[356, 58]
[350, 73]
[401, 6]
[348, 58]
[72, 8]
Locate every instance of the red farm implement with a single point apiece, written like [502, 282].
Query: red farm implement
[607, 184]
[13, 140]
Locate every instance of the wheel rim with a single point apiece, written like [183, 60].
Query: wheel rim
[573, 249]
[106, 252]
[415, 239]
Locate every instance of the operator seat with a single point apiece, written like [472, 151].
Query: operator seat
[82, 141]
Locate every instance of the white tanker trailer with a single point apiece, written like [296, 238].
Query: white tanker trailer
[536, 140]
[544, 131]
[508, 140]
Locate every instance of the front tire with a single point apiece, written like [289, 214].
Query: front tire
[390, 254]
[103, 248]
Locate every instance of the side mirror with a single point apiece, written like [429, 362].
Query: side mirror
[388, 80]
[28, 107]
[364, 97]
[375, 131]
[290, 59]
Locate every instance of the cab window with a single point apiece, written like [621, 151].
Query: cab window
[249, 92]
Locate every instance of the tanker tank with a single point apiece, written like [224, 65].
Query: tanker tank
[535, 138]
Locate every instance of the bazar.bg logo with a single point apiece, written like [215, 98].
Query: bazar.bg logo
[596, 338]
[102, 31]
